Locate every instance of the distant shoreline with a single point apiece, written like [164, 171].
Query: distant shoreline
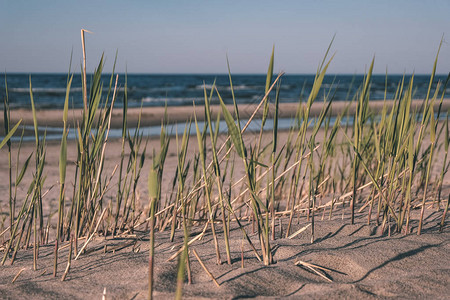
[153, 116]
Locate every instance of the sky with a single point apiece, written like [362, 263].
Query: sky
[196, 36]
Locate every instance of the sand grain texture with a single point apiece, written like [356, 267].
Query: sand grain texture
[365, 264]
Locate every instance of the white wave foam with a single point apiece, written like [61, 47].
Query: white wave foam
[169, 100]
[43, 90]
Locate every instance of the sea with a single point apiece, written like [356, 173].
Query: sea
[150, 90]
[183, 89]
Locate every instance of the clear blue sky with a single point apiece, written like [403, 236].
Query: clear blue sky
[195, 36]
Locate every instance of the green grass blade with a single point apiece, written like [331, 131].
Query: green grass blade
[270, 71]
[446, 139]
[63, 159]
[66, 101]
[318, 83]
[233, 130]
[6, 111]
[152, 184]
[36, 134]
[10, 134]
[275, 119]
[23, 170]
[432, 124]
[236, 109]
[434, 71]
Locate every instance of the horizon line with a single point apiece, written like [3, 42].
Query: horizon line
[220, 74]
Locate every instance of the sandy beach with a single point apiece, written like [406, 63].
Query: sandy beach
[359, 261]
[152, 116]
[364, 264]
[216, 150]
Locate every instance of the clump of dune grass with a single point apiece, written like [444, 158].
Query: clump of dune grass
[364, 162]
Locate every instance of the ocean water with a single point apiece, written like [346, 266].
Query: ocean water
[177, 90]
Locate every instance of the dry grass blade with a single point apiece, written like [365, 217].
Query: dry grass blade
[313, 268]
[69, 261]
[299, 231]
[200, 235]
[17, 275]
[204, 268]
[92, 235]
[84, 69]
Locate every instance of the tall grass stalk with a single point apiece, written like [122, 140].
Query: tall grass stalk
[274, 150]
[359, 123]
[201, 139]
[183, 262]
[445, 165]
[217, 175]
[121, 183]
[6, 117]
[36, 200]
[257, 205]
[153, 194]
[84, 69]
[301, 136]
[430, 158]
[62, 175]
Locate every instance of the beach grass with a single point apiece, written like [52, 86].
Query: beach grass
[376, 164]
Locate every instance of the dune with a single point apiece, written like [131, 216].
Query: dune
[360, 261]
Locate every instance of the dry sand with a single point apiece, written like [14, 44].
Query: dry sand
[364, 262]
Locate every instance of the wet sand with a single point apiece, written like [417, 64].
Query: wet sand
[179, 114]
